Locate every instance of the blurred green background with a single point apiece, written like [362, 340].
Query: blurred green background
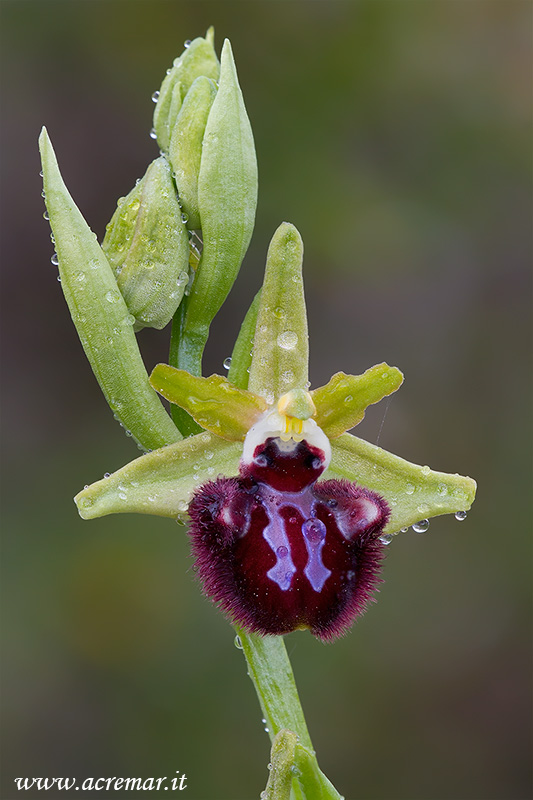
[396, 135]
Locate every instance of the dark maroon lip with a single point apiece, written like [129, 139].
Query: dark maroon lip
[277, 550]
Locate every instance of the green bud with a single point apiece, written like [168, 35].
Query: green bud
[227, 198]
[147, 245]
[185, 150]
[198, 59]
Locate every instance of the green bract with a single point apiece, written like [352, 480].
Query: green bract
[103, 321]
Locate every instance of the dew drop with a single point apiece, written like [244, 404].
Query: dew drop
[348, 398]
[107, 474]
[404, 530]
[187, 43]
[112, 297]
[425, 470]
[155, 97]
[153, 134]
[227, 362]
[409, 488]
[237, 642]
[386, 538]
[282, 551]
[59, 278]
[287, 340]
[46, 215]
[442, 489]
[422, 526]
[314, 529]
[460, 516]
[122, 495]
[55, 260]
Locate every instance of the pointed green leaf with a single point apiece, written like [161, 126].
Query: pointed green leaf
[215, 403]
[185, 151]
[198, 59]
[227, 198]
[161, 482]
[241, 357]
[342, 402]
[281, 347]
[412, 492]
[100, 314]
[148, 247]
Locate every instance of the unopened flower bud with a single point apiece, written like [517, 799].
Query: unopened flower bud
[147, 246]
[198, 59]
[185, 150]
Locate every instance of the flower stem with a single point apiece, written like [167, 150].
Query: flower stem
[271, 673]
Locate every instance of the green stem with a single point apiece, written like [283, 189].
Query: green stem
[271, 672]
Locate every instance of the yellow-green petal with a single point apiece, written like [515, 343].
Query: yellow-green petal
[215, 403]
[413, 492]
[101, 317]
[161, 482]
[281, 345]
[342, 402]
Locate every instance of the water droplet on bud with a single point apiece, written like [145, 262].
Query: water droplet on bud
[460, 516]
[227, 362]
[422, 526]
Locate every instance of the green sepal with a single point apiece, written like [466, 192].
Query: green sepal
[147, 245]
[413, 492]
[342, 402]
[101, 317]
[185, 151]
[281, 347]
[198, 59]
[282, 757]
[241, 357]
[227, 198]
[161, 482]
[215, 403]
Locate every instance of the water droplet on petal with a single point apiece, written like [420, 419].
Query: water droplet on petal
[55, 259]
[227, 362]
[409, 488]
[46, 215]
[237, 642]
[422, 526]
[153, 134]
[187, 43]
[287, 340]
[282, 551]
[314, 529]
[155, 97]
[460, 516]
[386, 538]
